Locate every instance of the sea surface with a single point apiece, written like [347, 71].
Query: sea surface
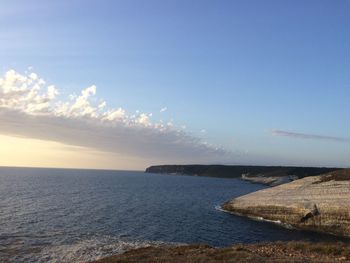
[64, 215]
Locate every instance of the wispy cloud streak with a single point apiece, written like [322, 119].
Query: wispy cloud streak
[307, 136]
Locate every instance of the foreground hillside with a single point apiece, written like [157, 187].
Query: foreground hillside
[252, 253]
[318, 203]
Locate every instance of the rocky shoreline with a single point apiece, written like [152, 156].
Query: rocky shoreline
[318, 203]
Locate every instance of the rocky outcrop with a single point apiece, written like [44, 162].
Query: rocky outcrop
[268, 180]
[318, 203]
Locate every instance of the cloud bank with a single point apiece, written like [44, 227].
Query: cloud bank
[307, 136]
[30, 108]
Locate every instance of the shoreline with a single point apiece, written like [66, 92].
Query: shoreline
[275, 251]
[318, 204]
[260, 219]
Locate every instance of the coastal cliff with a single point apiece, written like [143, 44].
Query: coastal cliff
[269, 175]
[318, 203]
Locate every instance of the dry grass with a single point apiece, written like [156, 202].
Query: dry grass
[265, 252]
[340, 175]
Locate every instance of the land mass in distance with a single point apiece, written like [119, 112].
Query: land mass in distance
[269, 175]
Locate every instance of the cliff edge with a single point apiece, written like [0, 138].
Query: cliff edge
[317, 203]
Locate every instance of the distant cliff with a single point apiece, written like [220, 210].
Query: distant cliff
[236, 171]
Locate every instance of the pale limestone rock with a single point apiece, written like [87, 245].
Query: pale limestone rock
[318, 203]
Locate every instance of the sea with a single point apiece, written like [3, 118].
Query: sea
[71, 215]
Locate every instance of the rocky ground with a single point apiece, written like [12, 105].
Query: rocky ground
[268, 180]
[317, 203]
[268, 252]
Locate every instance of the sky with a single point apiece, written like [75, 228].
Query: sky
[125, 84]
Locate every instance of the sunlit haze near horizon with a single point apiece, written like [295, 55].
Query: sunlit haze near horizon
[128, 84]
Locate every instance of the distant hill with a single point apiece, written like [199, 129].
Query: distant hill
[236, 171]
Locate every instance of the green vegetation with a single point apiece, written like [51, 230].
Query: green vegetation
[236, 171]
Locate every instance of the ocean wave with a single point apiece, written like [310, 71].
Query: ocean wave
[87, 250]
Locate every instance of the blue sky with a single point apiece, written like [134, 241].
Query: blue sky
[255, 75]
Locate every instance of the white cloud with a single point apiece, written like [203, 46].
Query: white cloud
[33, 76]
[23, 93]
[114, 115]
[143, 119]
[29, 109]
[163, 109]
[102, 105]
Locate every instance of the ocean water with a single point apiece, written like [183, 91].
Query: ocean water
[63, 215]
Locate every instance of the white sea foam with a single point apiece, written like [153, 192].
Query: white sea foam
[89, 250]
[256, 218]
[219, 208]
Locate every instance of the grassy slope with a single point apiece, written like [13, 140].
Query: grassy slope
[265, 252]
